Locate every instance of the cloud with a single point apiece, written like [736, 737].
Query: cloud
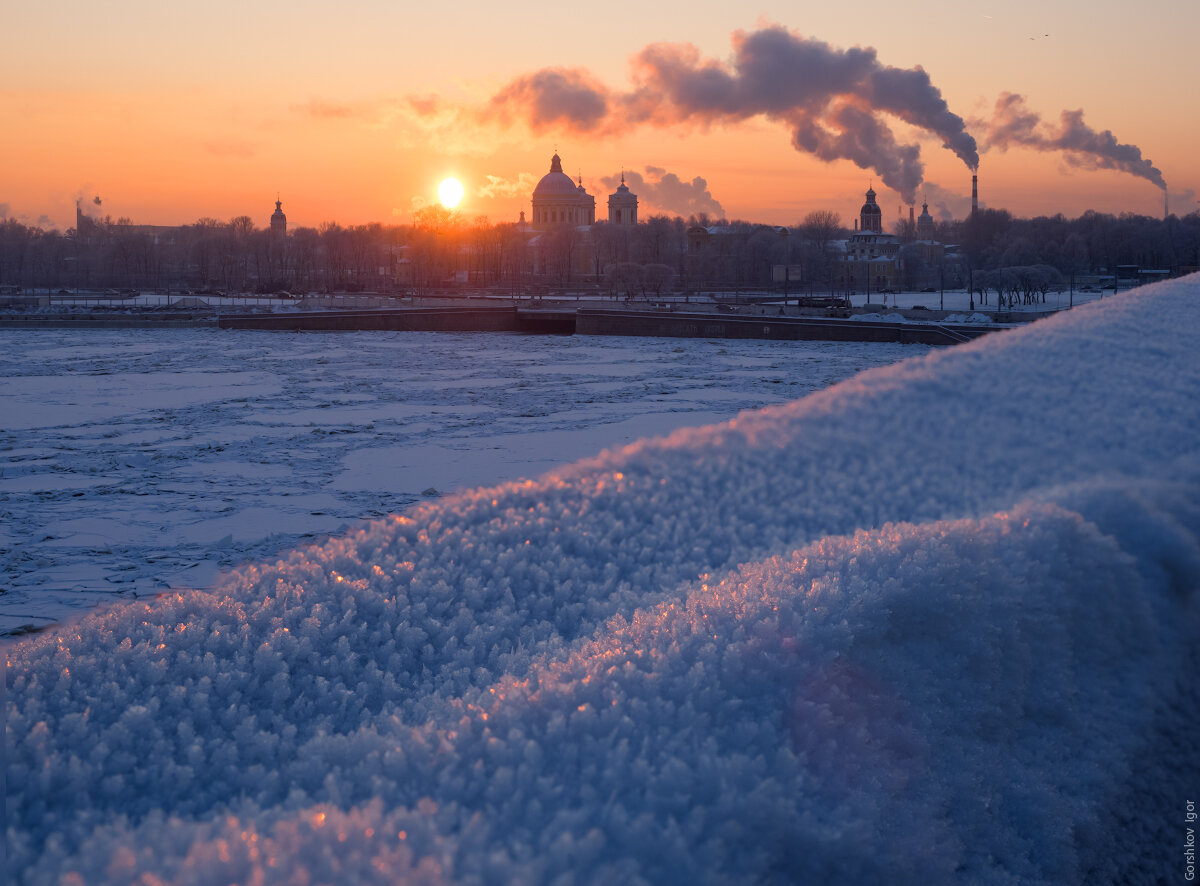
[497, 186]
[429, 123]
[1013, 124]
[836, 102]
[668, 192]
[565, 98]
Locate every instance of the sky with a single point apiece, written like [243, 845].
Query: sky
[172, 112]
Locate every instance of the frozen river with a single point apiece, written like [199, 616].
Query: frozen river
[132, 461]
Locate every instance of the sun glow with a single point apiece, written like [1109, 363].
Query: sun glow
[450, 192]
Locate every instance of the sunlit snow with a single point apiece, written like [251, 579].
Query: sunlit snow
[934, 624]
[133, 461]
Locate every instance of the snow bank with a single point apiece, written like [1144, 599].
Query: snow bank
[930, 625]
[880, 317]
[975, 319]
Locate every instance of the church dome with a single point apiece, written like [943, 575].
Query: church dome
[622, 193]
[871, 216]
[555, 183]
[871, 207]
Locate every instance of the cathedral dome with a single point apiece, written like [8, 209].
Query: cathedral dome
[555, 182]
[871, 216]
[871, 207]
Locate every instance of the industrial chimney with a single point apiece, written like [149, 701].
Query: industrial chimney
[974, 194]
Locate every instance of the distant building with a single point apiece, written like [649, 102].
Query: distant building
[557, 200]
[925, 223]
[871, 215]
[560, 225]
[91, 230]
[278, 222]
[871, 259]
[622, 205]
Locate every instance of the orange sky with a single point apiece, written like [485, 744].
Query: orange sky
[177, 113]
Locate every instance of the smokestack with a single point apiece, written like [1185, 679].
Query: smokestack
[911, 221]
[974, 194]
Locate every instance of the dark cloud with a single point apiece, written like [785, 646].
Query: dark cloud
[833, 99]
[852, 133]
[559, 98]
[1014, 125]
[668, 192]
[911, 96]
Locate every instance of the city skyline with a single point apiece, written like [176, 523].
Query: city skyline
[173, 114]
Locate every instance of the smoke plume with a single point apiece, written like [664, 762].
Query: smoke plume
[945, 204]
[89, 205]
[668, 192]
[555, 98]
[835, 101]
[1014, 125]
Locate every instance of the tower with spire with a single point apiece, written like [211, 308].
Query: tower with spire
[871, 216]
[622, 205]
[278, 221]
[925, 222]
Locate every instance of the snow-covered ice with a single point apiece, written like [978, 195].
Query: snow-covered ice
[132, 461]
[935, 624]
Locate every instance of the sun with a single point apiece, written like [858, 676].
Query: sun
[450, 192]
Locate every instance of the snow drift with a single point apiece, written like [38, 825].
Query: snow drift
[933, 624]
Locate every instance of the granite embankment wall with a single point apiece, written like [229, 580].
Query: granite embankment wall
[699, 325]
[562, 321]
[109, 320]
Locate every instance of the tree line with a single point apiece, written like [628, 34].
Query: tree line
[1014, 257]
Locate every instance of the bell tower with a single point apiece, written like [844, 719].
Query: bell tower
[278, 222]
[622, 205]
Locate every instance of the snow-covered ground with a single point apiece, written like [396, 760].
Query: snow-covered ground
[950, 300]
[132, 461]
[961, 300]
[935, 624]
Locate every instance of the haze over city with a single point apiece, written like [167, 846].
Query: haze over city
[171, 113]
